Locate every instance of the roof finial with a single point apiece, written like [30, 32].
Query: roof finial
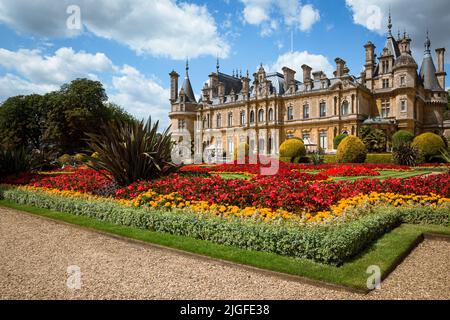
[248, 75]
[217, 64]
[233, 73]
[390, 22]
[427, 43]
[398, 35]
[187, 67]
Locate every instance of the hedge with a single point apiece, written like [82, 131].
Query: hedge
[380, 158]
[329, 244]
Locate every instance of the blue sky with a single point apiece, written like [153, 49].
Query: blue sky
[132, 45]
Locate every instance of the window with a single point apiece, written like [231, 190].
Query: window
[402, 81]
[306, 137]
[262, 145]
[323, 140]
[385, 66]
[252, 116]
[344, 108]
[181, 124]
[385, 108]
[261, 115]
[230, 119]
[385, 83]
[323, 109]
[306, 111]
[270, 114]
[230, 145]
[403, 105]
[242, 117]
[290, 113]
[219, 121]
[204, 123]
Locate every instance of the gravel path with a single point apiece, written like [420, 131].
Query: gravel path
[35, 254]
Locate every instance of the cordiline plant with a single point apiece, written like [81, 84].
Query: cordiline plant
[132, 150]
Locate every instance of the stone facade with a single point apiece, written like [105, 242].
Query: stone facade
[390, 94]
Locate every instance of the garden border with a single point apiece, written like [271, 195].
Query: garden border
[28, 210]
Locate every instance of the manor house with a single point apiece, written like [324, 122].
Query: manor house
[392, 93]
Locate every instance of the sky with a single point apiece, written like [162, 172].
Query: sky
[131, 46]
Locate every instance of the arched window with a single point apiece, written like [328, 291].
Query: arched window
[271, 114]
[344, 108]
[261, 115]
[252, 116]
[230, 119]
[219, 121]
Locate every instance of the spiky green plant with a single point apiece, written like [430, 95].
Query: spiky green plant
[445, 154]
[132, 150]
[15, 161]
[406, 154]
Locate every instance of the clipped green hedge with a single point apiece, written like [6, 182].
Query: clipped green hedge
[330, 244]
[380, 158]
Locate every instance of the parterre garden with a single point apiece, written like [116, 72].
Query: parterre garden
[327, 214]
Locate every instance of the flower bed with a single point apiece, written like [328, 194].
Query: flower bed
[350, 171]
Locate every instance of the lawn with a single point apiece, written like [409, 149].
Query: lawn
[385, 174]
[386, 252]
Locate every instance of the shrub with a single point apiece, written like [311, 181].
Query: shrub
[65, 159]
[402, 137]
[351, 150]
[406, 155]
[380, 158]
[429, 144]
[132, 151]
[338, 139]
[242, 150]
[80, 157]
[291, 149]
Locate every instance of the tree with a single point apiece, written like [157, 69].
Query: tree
[22, 121]
[374, 139]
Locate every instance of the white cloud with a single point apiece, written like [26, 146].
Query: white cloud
[413, 15]
[308, 17]
[159, 28]
[12, 85]
[296, 59]
[255, 15]
[29, 71]
[292, 13]
[63, 66]
[141, 96]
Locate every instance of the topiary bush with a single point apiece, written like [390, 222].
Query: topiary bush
[80, 157]
[338, 139]
[65, 159]
[402, 137]
[292, 149]
[242, 150]
[351, 150]
[429, 145]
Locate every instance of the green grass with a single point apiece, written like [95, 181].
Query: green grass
[385, 174]
[229, 176]
[384, 253]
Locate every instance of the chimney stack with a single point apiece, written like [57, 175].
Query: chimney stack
[340, 68]
[289, 78]
[173, 86]
[440, 74]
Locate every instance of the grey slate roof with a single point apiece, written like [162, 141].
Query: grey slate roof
[428, 70]
[187, 87]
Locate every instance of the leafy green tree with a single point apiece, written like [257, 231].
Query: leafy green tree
[22, 120]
